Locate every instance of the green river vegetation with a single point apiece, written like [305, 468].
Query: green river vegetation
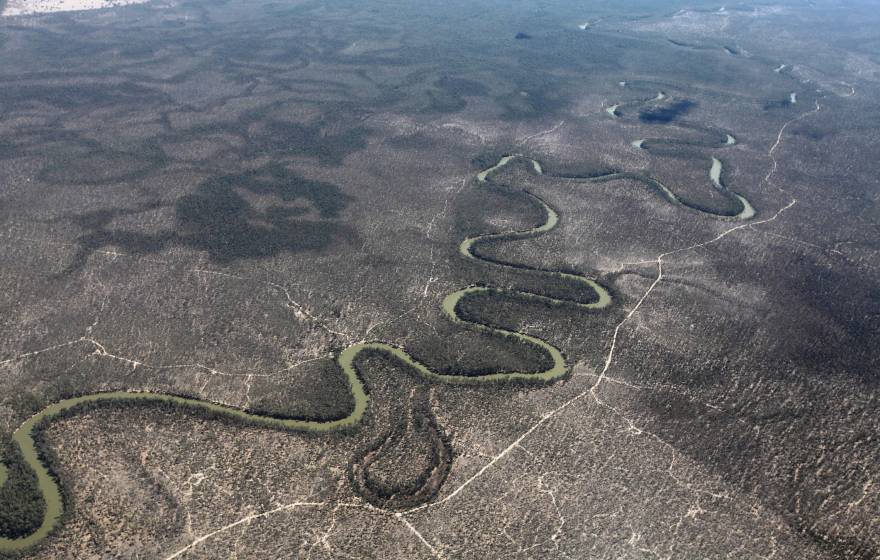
[743, 210]
[26, 436]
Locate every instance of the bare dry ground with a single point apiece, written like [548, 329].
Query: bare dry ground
[213, 199]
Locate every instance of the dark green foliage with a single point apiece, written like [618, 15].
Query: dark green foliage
[168, 407]
[445, 102]
[487, 353]
[394, 492]
[329, 397]
[307, 140]
[461, 86]
[417, 141]
[555, 286]
[69, 97]
[450, 92]
[477, 308]
[526, 352]
[22, 502]
[218, 219]
[531, 101]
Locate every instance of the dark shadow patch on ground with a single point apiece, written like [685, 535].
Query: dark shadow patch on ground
[244, 216]
[777, 104]
[666, 113]
[450, 93]
[75, 96]
[314, 140]
[461, 86]
[416, 141]
[445, 102]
